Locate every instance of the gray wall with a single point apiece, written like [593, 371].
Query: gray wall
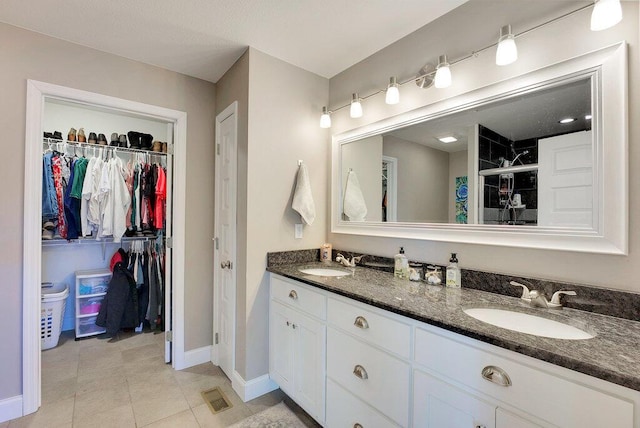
[422, 181]
[279, 107]
[467, 28]
[364, 157]
[234, 86]
[27, 55]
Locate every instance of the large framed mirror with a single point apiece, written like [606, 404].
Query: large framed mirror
[536, 161]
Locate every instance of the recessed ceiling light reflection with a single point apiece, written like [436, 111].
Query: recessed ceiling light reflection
[449, 139]
[587, 117]
[567, 120]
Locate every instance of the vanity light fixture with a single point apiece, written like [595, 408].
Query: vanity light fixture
[325, 119]
[443, 73]
[606, 14]
[448, 139]
[356, 106]
[507, 51]
[393, 93]
[567, 120]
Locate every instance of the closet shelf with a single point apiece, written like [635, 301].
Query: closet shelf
[85, 241]
[50, 142]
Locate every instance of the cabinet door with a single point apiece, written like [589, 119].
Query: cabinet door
[281, 347]
[505, 419]
[309, 356]
[437, 404]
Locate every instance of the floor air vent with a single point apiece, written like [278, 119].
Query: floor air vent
[216, 400]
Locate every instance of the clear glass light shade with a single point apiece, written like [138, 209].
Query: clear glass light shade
[443, 73]
[507, 51]
[325, 120]
[606, 14]
[393, 93]
[356, 107]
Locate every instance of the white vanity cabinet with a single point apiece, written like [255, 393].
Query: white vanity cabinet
[367, 355]
[297, 343]
[524, 392]
[386, 370]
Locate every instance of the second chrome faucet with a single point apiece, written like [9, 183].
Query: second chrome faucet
[537, 299]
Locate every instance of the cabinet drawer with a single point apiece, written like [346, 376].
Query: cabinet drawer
[346, 411]
[385, 386]
[380, 330]
[546, 396]
[299, 296]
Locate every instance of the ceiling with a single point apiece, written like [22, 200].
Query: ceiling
[203, 38]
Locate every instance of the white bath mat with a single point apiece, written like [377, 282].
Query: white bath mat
[278, 416]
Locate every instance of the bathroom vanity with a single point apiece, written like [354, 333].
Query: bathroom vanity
[370, 350]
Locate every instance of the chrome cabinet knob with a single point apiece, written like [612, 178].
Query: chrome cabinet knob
[496, 375]
[293, 294]
[357, 425]
[360, 372]
[226, 264]
[361, 322]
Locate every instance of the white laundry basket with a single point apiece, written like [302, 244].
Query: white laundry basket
[54, 298]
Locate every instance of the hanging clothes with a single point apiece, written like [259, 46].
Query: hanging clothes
[57, 180]
[49, 198]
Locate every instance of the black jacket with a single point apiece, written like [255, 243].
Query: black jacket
[119, 308]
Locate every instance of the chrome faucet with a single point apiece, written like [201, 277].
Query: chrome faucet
[346, 262]
[538, 300]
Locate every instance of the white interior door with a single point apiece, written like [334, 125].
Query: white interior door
[565, 180]
[225, 241]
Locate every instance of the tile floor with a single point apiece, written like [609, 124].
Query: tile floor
[94, 383]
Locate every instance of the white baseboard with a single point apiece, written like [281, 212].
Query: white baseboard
[248, 390]
[10, 408]
[195, 357]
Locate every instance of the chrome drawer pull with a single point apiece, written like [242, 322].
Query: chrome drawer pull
[357, 425]
[360, 372]
[496, 375]
[293, 294]
[361, 322]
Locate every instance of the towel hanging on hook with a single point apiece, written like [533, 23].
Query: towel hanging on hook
[302, 197]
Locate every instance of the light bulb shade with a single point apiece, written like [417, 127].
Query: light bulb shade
[507, 51]
[393, 93]
[606, 14]
[443, 73]
[325, 119]
[356, 107]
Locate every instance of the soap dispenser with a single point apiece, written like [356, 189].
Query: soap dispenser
[453, 273]
[401, 265]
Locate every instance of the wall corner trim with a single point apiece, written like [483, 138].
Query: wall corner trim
[10, 408]
[250, 389]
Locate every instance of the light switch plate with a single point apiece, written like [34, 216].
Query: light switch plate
[298, 231]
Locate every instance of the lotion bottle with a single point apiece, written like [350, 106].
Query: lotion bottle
[453, 273]
[401, 265]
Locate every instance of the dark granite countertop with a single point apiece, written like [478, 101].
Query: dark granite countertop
[612, 355]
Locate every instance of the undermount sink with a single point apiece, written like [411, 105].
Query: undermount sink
[325, 272]
[528, 323]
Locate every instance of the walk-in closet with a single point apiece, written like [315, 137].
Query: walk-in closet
[106, 224]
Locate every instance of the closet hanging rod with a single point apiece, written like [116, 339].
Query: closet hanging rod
[51, 141]
[92, 241]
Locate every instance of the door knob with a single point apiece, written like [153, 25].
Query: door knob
[226, 264]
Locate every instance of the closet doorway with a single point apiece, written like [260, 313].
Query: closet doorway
[44, 103]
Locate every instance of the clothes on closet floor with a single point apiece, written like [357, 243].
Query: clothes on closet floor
[102, 196]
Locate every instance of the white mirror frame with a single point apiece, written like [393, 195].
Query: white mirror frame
[610, 115]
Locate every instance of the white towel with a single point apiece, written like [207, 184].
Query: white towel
[302, 198]
[354, 206]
